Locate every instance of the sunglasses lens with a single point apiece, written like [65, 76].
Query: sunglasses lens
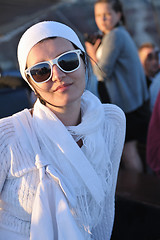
[69, 62]
[41, 72]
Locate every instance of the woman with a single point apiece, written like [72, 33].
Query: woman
[59, 160]
[120, 69]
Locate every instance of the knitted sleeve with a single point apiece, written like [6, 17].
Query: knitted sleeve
[115, 136]
[6, 136]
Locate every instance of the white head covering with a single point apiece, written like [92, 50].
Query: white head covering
[41, 31]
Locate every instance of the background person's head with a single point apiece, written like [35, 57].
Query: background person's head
[149, 57]
[108, 13]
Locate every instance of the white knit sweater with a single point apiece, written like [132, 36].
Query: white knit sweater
[19, 176]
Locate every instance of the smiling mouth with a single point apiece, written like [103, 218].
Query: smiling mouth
[63, 86]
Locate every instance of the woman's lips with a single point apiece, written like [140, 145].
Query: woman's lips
[63, 87]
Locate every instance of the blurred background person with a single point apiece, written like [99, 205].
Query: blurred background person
[116, 63]
[95, 40]
[149, 57]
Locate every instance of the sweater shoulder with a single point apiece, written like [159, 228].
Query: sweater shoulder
[117, 33]
[114, 114]
[114, 127]
[115, 39]
[7, 131]
[120, 32]
[15, 149]
[7, 137]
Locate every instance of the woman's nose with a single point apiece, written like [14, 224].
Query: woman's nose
[57, 74]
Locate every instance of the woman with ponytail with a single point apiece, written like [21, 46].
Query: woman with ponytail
[118, 68]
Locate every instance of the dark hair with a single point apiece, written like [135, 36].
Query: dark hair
[116, 6]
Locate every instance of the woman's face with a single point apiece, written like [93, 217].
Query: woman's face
[106, 18]
[62, 88]
[149, 60]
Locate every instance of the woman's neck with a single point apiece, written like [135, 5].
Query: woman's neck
[68, 115]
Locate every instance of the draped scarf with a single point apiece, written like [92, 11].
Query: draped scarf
[73, 181]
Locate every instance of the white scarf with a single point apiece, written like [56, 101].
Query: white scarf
[70, 196]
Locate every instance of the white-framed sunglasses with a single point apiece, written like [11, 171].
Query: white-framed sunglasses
[67, 62]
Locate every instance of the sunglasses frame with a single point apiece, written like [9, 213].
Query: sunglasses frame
[55, 62]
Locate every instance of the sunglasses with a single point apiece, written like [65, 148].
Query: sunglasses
[67, 62]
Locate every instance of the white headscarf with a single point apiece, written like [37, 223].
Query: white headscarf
[38, 32]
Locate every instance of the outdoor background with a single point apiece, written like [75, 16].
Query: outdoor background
[142, 21]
